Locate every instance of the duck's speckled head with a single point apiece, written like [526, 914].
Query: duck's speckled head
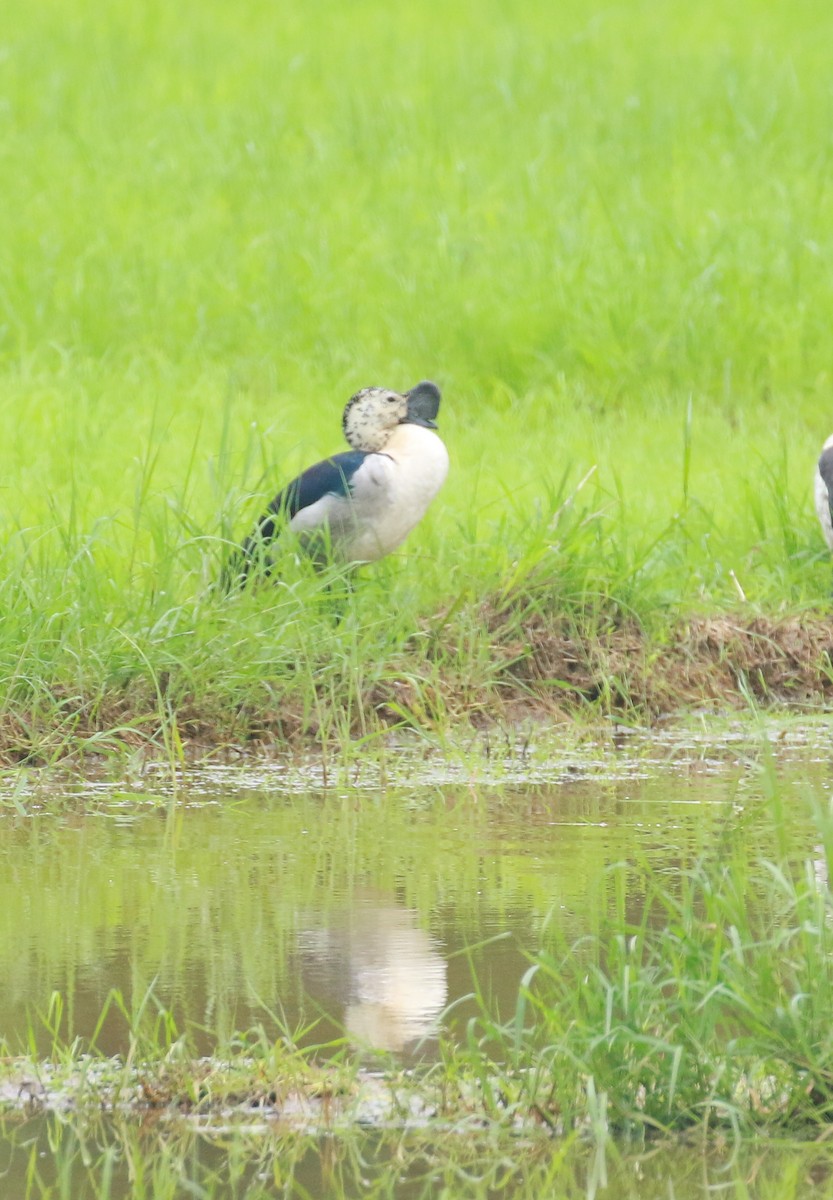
[373, 413]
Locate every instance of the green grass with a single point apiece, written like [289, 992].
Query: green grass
[606, 233]
[706, 1005]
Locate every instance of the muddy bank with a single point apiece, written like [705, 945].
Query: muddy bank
[541, 668]
[715, 662]
[546, 669]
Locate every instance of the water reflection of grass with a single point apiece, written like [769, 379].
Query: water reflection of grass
[605, 233]
[113, 1160]
[697, 993]
[222, 905]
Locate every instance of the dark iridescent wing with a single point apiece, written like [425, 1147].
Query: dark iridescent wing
[328, 478]
[331, 477]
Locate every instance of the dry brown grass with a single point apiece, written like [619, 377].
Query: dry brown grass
[717, 662]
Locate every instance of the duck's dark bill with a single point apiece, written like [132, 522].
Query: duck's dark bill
[423, 404]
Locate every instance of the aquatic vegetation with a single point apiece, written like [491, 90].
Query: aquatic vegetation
[51, 1156]
[666, 991]
[657, 1007]
[704, 998]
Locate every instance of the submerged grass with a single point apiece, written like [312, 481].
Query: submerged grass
[605, 232]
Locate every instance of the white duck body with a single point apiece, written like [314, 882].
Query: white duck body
[824, 491]
[388, 495]
[362, 503]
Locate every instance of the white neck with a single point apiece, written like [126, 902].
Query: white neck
[408, 441]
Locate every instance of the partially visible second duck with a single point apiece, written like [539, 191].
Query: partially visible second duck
[824, 491]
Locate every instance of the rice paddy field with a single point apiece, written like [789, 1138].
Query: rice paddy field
[606, 231]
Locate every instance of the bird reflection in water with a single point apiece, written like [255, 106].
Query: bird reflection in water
[391, 974]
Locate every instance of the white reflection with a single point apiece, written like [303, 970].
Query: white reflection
[399, 983]
[819, 868]
[388, 972]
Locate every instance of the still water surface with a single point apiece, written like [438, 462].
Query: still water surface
[358, 910]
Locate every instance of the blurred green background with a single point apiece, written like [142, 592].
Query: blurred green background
[605, 230]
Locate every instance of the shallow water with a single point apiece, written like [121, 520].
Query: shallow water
[359, 910]
[246, 899]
